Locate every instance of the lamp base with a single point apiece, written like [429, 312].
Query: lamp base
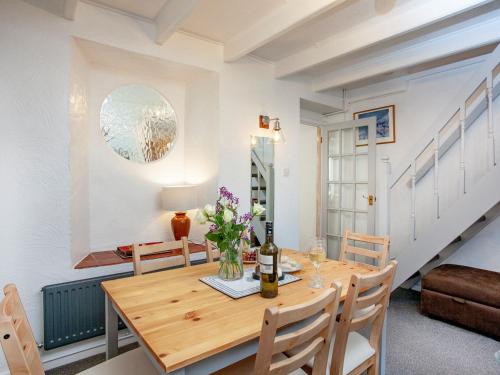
[181, 224]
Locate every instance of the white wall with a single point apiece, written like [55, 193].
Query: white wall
[125, 196]
[247, 89]
[36, 153]
[201, 136]
[35, 194]
[308, 174]
[482, 250]
[79, 166]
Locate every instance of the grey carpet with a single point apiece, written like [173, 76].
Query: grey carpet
[416, 345]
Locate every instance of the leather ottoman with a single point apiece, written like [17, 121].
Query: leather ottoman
[466, 296]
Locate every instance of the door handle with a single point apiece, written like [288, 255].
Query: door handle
[371, 199]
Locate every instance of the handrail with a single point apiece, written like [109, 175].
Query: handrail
[487, 68]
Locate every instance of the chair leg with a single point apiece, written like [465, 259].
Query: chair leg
[374, 368]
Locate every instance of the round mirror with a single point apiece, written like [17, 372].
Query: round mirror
[138, 123]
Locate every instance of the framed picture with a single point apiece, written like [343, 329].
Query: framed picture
[386, 125]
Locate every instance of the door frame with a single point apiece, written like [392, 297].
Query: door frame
[372, 160]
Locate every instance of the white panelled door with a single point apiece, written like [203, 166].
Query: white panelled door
[348, 191]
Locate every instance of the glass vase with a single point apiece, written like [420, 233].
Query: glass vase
[231, 262]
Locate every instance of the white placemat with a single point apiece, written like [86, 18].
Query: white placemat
[243, 287]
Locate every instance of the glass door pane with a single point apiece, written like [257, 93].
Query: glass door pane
[349, 177]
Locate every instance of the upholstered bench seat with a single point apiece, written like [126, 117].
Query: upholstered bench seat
[467, 296]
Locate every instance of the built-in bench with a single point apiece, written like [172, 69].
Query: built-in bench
[469, 297]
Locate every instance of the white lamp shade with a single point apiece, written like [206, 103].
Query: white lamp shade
[179, 198]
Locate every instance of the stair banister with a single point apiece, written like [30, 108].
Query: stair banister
[387, 195]
[413, 199]
[436, 174]
[462, 149]
[491, 134]
[483, 72]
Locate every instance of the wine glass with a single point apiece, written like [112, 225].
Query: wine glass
[317, 254]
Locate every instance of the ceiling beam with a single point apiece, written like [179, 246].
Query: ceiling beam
[374, 30]
[438, 47]
[170, 16]
[281, 20]
[69, 10]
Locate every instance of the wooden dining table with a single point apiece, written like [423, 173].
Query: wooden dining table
[188, 328]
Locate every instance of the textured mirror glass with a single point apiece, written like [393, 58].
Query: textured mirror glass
[138, 123]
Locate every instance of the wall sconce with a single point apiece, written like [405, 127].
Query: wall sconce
[278, 136]
[275, 134]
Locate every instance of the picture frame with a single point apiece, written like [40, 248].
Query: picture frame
[386, 125]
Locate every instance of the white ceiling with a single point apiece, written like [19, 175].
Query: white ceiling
[219, 20]
[341, 18]
[334, 41]
[142, 8]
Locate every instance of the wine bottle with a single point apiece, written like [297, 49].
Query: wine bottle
[268, 262]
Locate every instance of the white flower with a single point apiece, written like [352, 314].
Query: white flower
[201, 217]
[209, 210]
[258, 209]
[228, 215]
[224, 202]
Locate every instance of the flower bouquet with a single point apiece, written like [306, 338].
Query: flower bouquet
[229, 231]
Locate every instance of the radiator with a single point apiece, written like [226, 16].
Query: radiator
[74, 311]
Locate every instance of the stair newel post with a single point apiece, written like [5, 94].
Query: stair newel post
[387, 194]
[436, 174]
[491, 133]
[413, 198]
[462, 149]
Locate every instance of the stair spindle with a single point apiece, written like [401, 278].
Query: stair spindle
[413, 198]
[387, 196]
[462, 149]
[436, 174]
[491, 132]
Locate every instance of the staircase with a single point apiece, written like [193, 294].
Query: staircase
[439, 194]
[262, 190]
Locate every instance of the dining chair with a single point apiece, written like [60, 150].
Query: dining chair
[212, 251]
[366, 304]
[313, 337]
[21, 350]
[382, 255]
[141, 266]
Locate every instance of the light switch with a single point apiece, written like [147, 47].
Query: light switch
[286, 172]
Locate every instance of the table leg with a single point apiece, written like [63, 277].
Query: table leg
[383, 344]
[111, 330]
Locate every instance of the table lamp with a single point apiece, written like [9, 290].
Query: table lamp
[180, 199]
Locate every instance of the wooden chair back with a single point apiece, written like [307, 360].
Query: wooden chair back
[212, 251]
[18, 342]
[380, 256]
[362, 309]
[141, 266]
[313, 339]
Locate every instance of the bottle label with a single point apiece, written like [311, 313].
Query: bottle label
[266, 264]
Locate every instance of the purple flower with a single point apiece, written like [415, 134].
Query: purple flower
[213, 227]
[246, 218]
